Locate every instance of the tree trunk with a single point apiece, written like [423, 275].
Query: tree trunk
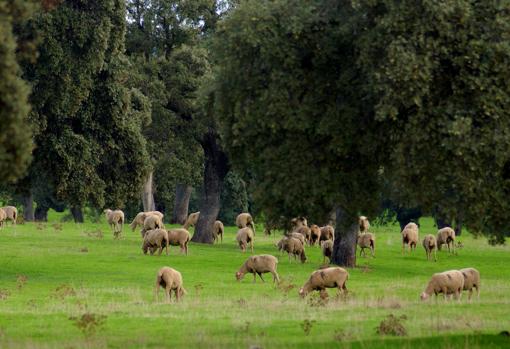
[41, 213]
[181, 203]
[458, 226]
[346, 232]
[408, 215]
[148, 195]
[28, 207]
[216, 168]
[77, 214]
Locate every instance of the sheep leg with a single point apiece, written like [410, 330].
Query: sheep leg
[251, 244]
[260, 275]
[177, 294]
[221, 235]
[168, 295]
[275, 277]
[254, 277]
[156, 291]
[435, 256]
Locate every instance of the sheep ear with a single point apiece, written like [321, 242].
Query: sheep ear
[465, 276]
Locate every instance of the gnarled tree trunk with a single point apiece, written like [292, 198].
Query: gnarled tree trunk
[77, 214]
[148, 195]
[28, 207]
[181, 203]
[346, 232]
[41, 213]
[216, 168]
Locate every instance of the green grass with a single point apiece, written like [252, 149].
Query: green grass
[114, 279]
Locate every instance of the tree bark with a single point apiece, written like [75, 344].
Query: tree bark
[28, 207]
[442, 222]
[181, 203]
[216, 168]
[148, 195]
[408, 215]
[346, 232]
[41, 213]
[77, 214]
[458, 226]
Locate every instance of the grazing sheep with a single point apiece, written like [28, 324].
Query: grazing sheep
[244, 237]
[281, 244]
[192, 220]
[305, 231]
[471, 279]
[11, 214]
[327, 250]
[155, 239]
[218, 230]
[430, 245]
[448, 283]
[244, 220]
[296, 248]
[171, 280]
[364, 224]
[409, 237]
[326, 278]
[257, 265]
[298, 222]
[366, 240]
[179, 237]
[3, 217]
[298, 236]
[152, 222]
[327, 233]
[140, 218]
[315, 234]
[115, 220]
[446, 236]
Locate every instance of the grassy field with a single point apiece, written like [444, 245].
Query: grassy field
[52, 274]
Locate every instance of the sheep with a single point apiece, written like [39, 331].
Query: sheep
[471, 279]
[305, 231]
[192, 220]
[244, 237]
[366, 240]
[409, 237]
[298, 222]
[295, 247]
[155, 239]
[140, 218]
[115, 220]
[315, 234]
[327, 250]
[152, 222]
[448, 283]
[327, 233]
[326, 278]
[446, 236]
[171, 280]
[218, 230]
[257, 265]
[244, 220]
[3, 217]
[430, 245]
[11, 213]
[364, 224]
[179, 237]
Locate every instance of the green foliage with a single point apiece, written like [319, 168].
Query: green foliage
[15, 133]
[234, 198]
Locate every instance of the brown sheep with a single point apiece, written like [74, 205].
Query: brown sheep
[171, 280]
[257, 265]
[305, 231]
[244, 220]
[327, 250]
[155, 239]
[140, 218]
[192, 220]
[366, 240]
[296, 248]
[448, 283]
[315, 234]
[298, 222]
[298, 236]
[3, 217]
[471, 279]
[409, 237]
[327, 233]
[430, 245]
[115, 220]
[446, 236]
[152, 222]
[179, 237]
[218, 230]
[11, 214]
[326, 278]
[244, 237]
[364, 224]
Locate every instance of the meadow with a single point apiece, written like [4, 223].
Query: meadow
[66, 285]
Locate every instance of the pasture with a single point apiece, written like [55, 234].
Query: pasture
[66, 285]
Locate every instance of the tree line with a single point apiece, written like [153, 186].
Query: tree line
[320, 108]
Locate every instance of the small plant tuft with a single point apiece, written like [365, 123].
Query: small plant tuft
[57, 226]
[88, 323]
[21, 280]
[64, 291]
[317, 299]
[307, 325]
[4, 294]
[392, 326]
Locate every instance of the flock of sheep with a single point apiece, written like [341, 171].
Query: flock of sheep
[156, 238]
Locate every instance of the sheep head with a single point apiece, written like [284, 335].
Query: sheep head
[239, 276]
[424, 296]
[302, 292]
